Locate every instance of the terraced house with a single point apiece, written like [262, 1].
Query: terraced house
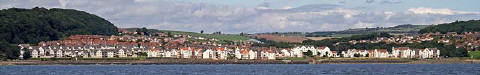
[95, 46]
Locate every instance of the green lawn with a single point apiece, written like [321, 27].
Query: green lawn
[474, 54]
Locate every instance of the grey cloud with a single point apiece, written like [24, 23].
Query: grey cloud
[342, 1]
[369, 1]
[384, 1]
[391, 1]
[186, 16]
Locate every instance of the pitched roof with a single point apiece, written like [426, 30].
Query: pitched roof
[323, 47]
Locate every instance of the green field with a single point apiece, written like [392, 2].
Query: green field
[342, 35]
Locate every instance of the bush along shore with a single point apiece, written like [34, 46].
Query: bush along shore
[143, 61]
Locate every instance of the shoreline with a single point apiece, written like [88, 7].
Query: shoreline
[203, 61]
[149, 61]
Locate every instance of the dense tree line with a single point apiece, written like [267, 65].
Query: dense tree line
[401, 29]
[332, 41]
[457, 26]
[269, 43]
[18, 25]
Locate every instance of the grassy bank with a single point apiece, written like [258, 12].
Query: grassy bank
[148, 61]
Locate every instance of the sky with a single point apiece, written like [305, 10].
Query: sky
[254, 16]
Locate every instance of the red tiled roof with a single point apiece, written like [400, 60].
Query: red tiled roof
[184, 48]
[334, 52]
[220, 48]
[323, 47]
[403, 48]
[382, 50]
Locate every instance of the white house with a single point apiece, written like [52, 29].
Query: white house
[208, 54]
[98, 54]
[298, 51]
[402, 52]
[167, 54]
[380, 53]
[121, 53]
[222, 52]
[153, 53]
[324, 51]
[252, 54]
[285, 53]
[35, 54]
[186, 52]
[59, 54]
[237, 53]
[110, 54]
[197, 53]
[267, 54]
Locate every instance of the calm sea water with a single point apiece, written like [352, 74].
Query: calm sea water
[239, 69]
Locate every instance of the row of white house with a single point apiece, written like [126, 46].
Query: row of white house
[183, 52]
[218, 52]
[85, 52]
[397, 52]
[299, 51]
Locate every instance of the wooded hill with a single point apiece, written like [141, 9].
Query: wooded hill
[18, 25]
[400, 29]
[457, 26]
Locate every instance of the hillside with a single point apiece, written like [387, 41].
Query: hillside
[18, 25]
[227, 37]
[400, 29]
[457, 26]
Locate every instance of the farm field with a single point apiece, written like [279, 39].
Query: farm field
[319, 38]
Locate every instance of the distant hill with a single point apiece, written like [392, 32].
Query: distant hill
[457, 26]
[18, 25]
[279, 38]
[227, 37]
[400, 29]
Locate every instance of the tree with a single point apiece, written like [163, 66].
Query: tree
[461, 52]
[169, 34]
[242, 34]
[142, 31]
[356, 55]
[457, 26]
[19, 26]
[27, 54]
[231, 56]
[308, 53]
[142, 54]
[318, 53]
